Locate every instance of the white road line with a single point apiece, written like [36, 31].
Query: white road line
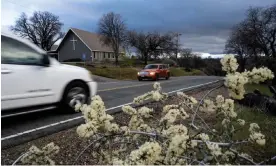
[106, 82]
[79, 117]
[190, 87]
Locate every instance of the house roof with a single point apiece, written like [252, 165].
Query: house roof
[90, 39]
[54, 47]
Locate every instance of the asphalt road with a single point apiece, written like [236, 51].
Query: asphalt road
[113, 94]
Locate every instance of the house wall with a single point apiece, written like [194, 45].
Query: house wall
[101, 56]
[66, 51]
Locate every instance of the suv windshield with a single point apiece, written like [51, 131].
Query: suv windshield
[151, 67]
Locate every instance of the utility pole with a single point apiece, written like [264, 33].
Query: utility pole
[177, 45]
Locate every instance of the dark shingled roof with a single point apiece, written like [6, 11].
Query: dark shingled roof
[54, 47]
[91, 40]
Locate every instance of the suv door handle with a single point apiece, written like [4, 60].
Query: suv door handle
[5, 71]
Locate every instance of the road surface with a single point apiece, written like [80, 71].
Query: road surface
[114, 94]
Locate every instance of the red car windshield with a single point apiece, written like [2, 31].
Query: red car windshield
[151, 67]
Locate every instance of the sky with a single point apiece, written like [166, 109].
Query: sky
[204, 24]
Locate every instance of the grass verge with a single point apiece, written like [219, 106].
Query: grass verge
[263, 88]
[176, 72]
[267, 124]
[130, 73]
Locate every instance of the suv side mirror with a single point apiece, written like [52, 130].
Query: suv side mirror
[45, 60]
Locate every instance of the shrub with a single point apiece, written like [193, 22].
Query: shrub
[171, 141]
[73, 60]
[169, 61]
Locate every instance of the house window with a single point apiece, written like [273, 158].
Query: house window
[104, 55]
[109, 55]
[94, 55]
[113, 55]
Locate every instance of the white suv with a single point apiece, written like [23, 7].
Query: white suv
[32, 81]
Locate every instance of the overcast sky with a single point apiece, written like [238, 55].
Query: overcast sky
[204, 24]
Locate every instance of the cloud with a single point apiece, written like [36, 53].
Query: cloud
[204, 24]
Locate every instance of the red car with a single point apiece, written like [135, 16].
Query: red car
[154, 71]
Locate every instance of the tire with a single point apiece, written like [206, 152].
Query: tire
[74, 92]
[156, 77]
[168, 76]
[140, 79]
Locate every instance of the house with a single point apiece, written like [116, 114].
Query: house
[80, 45]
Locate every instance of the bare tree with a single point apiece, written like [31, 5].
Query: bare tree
[112, 29]
[186, 53]
[260, 29]
[43, 28]
[149, 43]
[236, 44]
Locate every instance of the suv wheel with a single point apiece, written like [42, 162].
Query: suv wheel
[156, 77]
[168, 76]
[75, 93]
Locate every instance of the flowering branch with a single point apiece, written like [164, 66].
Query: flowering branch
[221, 143]
[24, 154]
[201, 101]
[243, 157]
[271, 159]
[87, 148]
[174, 139]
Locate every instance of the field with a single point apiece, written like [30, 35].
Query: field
[130, 73]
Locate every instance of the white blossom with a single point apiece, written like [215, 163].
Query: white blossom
[229, 63]
[254, 127]
[175, 130]
[157, 86]
[36, 156]
[129, 110]
[147, 154]
[204, 137]
[145, 112]
[214, 148]
[258, 75]
[225, 122]
[171, 116]
[156, 96]
[241, 122]
[257, 137]
[168, 107]
[96, 119]
[235, 84]
[193, 143]
[208, 106]
[228, 155]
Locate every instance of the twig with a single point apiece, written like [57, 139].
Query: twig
[145, 133]
[193, 125]
[221, 143]
[20, 158]
[247, 159]
[271, 159]
[87, 148]
[195, 113]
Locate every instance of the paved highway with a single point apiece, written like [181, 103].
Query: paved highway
[114, 94]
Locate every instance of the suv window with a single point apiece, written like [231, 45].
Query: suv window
[15, 52]
[151, 67]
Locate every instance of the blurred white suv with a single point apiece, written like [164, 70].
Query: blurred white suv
[32, 81]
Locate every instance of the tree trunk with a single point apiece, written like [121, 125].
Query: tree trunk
[242, 64]
[273, 50]
[116, 58]
[146, 58]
